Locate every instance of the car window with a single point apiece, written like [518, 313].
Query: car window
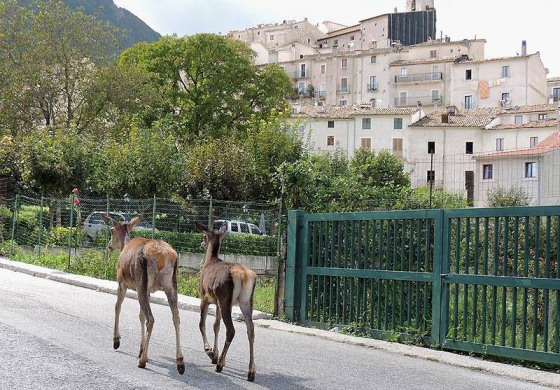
[244, 227]
[255, 229]
[234, 227]
[96, 218]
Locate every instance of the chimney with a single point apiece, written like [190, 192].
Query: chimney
[523, 47]
[445, 118]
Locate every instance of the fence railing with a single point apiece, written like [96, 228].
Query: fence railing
[75, 223]
[475, 280]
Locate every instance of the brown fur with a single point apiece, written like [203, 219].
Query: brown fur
[225, 284]
[145, 265]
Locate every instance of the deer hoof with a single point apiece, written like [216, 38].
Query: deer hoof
[141, 364]
[180, 366]
[219, 368]
[116, 343]
[251, 376]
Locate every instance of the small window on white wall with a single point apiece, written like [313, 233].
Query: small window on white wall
[530, 169]
[330, 140]
[499, 144]
[365, 143]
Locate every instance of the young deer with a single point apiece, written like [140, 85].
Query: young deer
[145, 265]
[225, 284]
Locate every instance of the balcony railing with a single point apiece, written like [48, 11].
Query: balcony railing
[298, 74]
[555, 98]
[419, 77]
[371, 87]
[410, 101]
[343, 89]
[320, 94]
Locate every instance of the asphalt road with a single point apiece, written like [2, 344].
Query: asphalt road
[59, 336]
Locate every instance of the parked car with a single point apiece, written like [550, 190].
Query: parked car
[238, 227]
[94, 223]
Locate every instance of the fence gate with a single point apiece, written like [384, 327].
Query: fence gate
[477, 280]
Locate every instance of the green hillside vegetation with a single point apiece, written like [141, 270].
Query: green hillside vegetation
[133, 29]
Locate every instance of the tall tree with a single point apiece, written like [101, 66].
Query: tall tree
[212, 83]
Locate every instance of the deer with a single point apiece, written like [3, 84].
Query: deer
[224, 284]
[145, 265]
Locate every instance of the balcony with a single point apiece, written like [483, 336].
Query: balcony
[298, 74]
[411, 101]
[554, 98]
[371, 87]
[321, 94]
[342, 89]
[419, 77]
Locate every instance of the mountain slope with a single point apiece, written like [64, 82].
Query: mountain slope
[135, 29]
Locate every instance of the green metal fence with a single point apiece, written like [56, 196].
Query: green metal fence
[475, 280]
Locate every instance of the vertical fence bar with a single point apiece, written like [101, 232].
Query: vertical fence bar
[154, 217]
[14, 223]
[440, 294]
[70, 230]
[39, 243]
[293, 265]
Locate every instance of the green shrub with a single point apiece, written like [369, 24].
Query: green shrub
[96, 263]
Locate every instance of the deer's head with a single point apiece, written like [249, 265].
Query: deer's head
[212, 238]
[120, 231]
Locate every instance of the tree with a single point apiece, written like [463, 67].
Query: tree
[508, 197]
[212, 85]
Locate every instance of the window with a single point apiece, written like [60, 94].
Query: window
[344, 63]
[469, 148]
[342, 103]
[533, 141]
[431, 176]
[468, 74]
[398, 147]
[330, 124]
[372, 86]
[330, 140]
[518, 119]
[397, 123]
[499, 144]
[505, 96]
[530, 169]
[505, 71]
[433, 53]
[435, 96]
[431, 147]
[323, 69]
[404, 72]
[373, 60]
[344, 85]
[487, 173]
[302, 71]
[271, 37]
[365, 143]
[366, 123]
[403, 98]
[335, 43]
[556, 94]
[468, 102]
[543, 117]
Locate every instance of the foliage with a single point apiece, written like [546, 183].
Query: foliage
[419, 198]
[508, 197]
[212, 85]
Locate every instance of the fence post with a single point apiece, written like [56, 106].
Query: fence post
[40, 225]
[293, 265]
[14, 223]
[440, 290]
[210, 215]
[153, 216]
[70, 230]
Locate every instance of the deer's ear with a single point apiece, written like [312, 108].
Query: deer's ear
[223, 229]
[133, 222]
[200, 227]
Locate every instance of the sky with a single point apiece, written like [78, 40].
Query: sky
[502, 23]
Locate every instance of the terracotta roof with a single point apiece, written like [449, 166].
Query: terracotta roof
[550, 143]
[462, 118]
[347, 112]
[417, 61]
[532, 108]
[528, 125]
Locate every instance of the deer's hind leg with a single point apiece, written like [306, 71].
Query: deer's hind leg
[171, 292]
[121, 293]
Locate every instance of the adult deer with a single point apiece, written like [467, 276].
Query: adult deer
[225, 284]
[145, 265]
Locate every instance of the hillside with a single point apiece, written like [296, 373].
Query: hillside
[135, 29]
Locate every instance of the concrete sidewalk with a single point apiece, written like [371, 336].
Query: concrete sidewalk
[265, 320]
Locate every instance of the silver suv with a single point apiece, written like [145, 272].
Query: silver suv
[238, 227]
[94, 224]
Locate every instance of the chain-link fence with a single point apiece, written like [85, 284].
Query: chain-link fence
[75, 223]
